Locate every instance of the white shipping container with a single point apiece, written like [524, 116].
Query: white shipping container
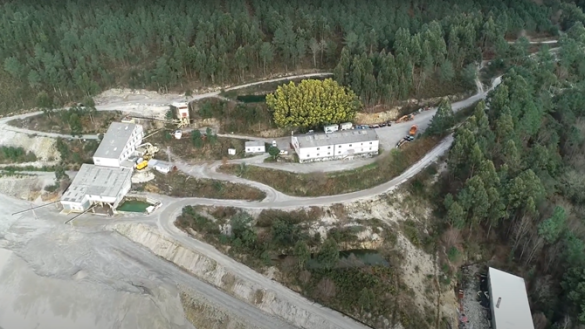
[346, 126]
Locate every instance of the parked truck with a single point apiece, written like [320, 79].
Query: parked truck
[413, 130]
[408, 117]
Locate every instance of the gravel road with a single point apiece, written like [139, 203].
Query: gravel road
[61, 276]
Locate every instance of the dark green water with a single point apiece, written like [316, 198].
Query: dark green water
[134, 206]
[354, 258]
[251, 98]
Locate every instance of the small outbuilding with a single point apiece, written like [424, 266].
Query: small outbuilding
[255, 147]
[508, 301]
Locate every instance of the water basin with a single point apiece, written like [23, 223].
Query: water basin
[133, 206]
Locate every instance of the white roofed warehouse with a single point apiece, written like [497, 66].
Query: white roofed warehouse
[348, 144]
[96, 185]
[118, 144]
[508, 301]
[255, 147]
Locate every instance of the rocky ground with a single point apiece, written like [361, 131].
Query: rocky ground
[42, 147]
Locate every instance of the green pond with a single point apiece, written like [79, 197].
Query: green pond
[134, 206]
[251, 98]
[354, 258]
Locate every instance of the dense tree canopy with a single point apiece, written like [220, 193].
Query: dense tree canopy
[312, 103]
[383, 50]
[515, 168]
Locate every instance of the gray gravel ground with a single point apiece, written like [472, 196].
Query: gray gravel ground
[475, 313]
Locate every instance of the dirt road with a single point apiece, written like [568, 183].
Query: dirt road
[61, 276]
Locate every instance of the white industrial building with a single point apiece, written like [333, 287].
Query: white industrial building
[509, 301]
[255, 147]
[118, 144]
[96, 185]
[347, 144]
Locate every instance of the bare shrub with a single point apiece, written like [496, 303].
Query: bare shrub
[326, 289]
[305, 276]
[452, 237]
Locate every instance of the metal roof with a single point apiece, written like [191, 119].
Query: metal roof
[336, 138]
[509, 301]
[115, 139]
[97, 181]
[254, 144]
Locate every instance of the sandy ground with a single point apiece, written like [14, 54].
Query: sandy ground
[63, 276]
[42, 147]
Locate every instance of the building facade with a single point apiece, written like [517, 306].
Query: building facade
[118, 144]
[335, 146]
[255, 147]
[96, 184]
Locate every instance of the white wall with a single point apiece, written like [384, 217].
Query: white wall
[135, 140]
[256, 149]
[106, 162]
[338, 150]
[358, 148]
[316, 152]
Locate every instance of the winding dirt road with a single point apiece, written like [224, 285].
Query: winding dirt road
[108, 247]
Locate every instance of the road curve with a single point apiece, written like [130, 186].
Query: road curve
[138, 106]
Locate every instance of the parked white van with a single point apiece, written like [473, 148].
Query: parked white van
[331, 128]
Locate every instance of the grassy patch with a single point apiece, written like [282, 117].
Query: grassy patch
[434, 87]
[318, 184]
[209, 149]
[237, 118]
[179, 185]
[10, 154]
[70, 121]
[75, 152]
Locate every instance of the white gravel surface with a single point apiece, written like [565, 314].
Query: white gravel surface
[62, 276]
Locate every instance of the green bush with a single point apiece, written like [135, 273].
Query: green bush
[453, 254]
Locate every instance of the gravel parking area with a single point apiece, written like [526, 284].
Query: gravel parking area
[473, 314]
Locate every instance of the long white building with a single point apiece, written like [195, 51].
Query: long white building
[96, 184]
[347, 144]
[509, 301]
[118, 144]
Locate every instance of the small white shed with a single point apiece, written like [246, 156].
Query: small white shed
[331, 128]
[255, 147]
[346, 125]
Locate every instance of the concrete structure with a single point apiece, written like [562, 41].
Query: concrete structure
[161, 166]
[119, 142]
[331, 129]
[509, 301]
[181, 110]
[96, 184]
[255, 147]
[347, 144]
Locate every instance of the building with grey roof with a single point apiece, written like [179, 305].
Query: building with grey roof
[345, 144]
[255, 147]
[509, 301]
[96, 184]
[118, 144]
